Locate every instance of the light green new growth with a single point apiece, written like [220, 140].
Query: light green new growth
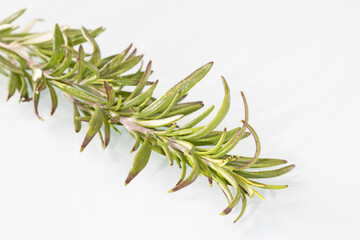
[37, 62]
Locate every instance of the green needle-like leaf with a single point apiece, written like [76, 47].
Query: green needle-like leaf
[13, 84]
[13, 17]
[167, 152]
[81, 63]
[141, 84]
[182, 87]
[69, 89]
[240, 134]
[217, 146]
[107, 132]
[244, 202]
[36, 96]
[214, 137]
[182, 132]
[110, 95]
[216, 120]
[64, 65]
[258, 147]
[94, 126]
[122, 67]
[58, 50]
[199, 118]
[113, 62]
[96, 55]
[23, 88]
[77, 122]
[139, 99]
[6, 30]
[140, 161]
[265, 174]
[193, 175]
[93, 69]
[137, 141]
[239, 161]
[169, 107]
[229, 178]
[184, 109]
[54, 99]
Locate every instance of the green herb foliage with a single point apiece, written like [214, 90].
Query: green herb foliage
[37, 62]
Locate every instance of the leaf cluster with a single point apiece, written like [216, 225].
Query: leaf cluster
[97, 88]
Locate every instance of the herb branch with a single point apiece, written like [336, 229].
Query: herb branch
[37, 62]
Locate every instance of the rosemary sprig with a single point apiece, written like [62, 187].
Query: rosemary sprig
[36, 62]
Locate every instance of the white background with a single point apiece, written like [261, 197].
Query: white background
[298, 64]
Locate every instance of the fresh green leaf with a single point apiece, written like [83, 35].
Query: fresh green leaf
[142, 83]
[106, 132]
[58, 50]
[216, 120]
[140, 160]
[94, 126]
[77, 122]
[13, 84]
[69, 89]
[139, 99]
[265, 174]
[122, 67]
[182, 87]
[96, 55]
[54, 100]
[193, 175]
[13, 17]
[199, 118]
